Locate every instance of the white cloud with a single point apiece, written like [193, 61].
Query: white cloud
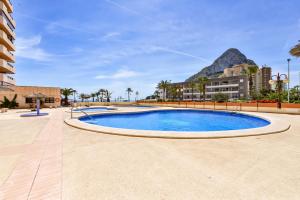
[111, 35]
[120, 74]
[29, 48]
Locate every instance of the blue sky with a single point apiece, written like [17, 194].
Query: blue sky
[115, 44]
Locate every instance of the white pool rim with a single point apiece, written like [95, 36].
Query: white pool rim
[277, 125]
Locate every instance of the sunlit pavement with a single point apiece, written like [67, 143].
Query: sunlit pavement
[42, 158]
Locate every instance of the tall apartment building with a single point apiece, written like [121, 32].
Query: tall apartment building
[234, 83]
[7, 46]
[8, 86]
[236, 87]
[261, 79]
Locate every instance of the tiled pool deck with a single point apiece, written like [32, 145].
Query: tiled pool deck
[42, 158]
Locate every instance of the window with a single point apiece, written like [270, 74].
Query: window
[30, 100]
[49, 100]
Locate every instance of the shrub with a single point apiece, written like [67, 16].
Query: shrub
[6, 103]
[220, 97]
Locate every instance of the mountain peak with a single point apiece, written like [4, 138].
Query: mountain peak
[228, 59]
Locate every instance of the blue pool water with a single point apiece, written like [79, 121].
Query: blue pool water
[93, 109]
[178, 120]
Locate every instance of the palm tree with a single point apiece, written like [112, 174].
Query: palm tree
[102, 93]
[66, 92]
[137, 95]
[295, 51]
[201, 86]
[129, 91]
[93, 95]
[174, 90]
[192, 85]
[156, 94]
[84, 96]
[107, 95]
[250, 71]
[97, 95]
[74, 95]
[163, 85]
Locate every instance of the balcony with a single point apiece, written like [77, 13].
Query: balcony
[6, 67]
[6, 42]
[7, 14]
[6, 27]
[7, 80]
[223, 92]
[8, 5]
[222, 86]
[5, 54]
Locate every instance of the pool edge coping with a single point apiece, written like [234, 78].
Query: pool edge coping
[275, 126]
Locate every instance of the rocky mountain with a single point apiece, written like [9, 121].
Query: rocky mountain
[229, 58]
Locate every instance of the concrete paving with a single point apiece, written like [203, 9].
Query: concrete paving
[98, 166]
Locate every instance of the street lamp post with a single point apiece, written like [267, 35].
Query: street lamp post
[289, 60]
[278, 81]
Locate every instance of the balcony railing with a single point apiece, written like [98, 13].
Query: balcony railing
[5, 84]
[10, 65]
[10, 25]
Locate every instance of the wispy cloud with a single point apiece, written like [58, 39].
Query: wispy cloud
[29, 48]
[120, 74]
[165, 49]
[123, 7]
[111, 35]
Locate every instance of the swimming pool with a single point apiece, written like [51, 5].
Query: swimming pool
[93, 109]
[178, 120]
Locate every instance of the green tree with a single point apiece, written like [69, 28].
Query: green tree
[156, 94]
[93, 95]
[66, 92]
[163, 85]
[174, 91]
[295, 94]
[129, 91]
[101, 94]
[74, 95]
[6, 103]
[201, 86]
[107, 95]
[220, 97]
[97, 95]
[192, 85]
[84, 97]
[250, 71]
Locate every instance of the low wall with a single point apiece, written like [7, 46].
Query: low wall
[80, 104]
[289, 108]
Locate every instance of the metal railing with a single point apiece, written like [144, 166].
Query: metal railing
[9, 64]
[90, 117]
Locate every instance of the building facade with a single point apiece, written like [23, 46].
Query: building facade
[235, 87]
[234, 82]
[8, 86]
[7, 46]
[262, 78]
[24, 96]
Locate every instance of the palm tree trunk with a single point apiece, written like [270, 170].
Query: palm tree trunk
[204, 92]
[250, 85]
[66, 100]
[192, 94]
